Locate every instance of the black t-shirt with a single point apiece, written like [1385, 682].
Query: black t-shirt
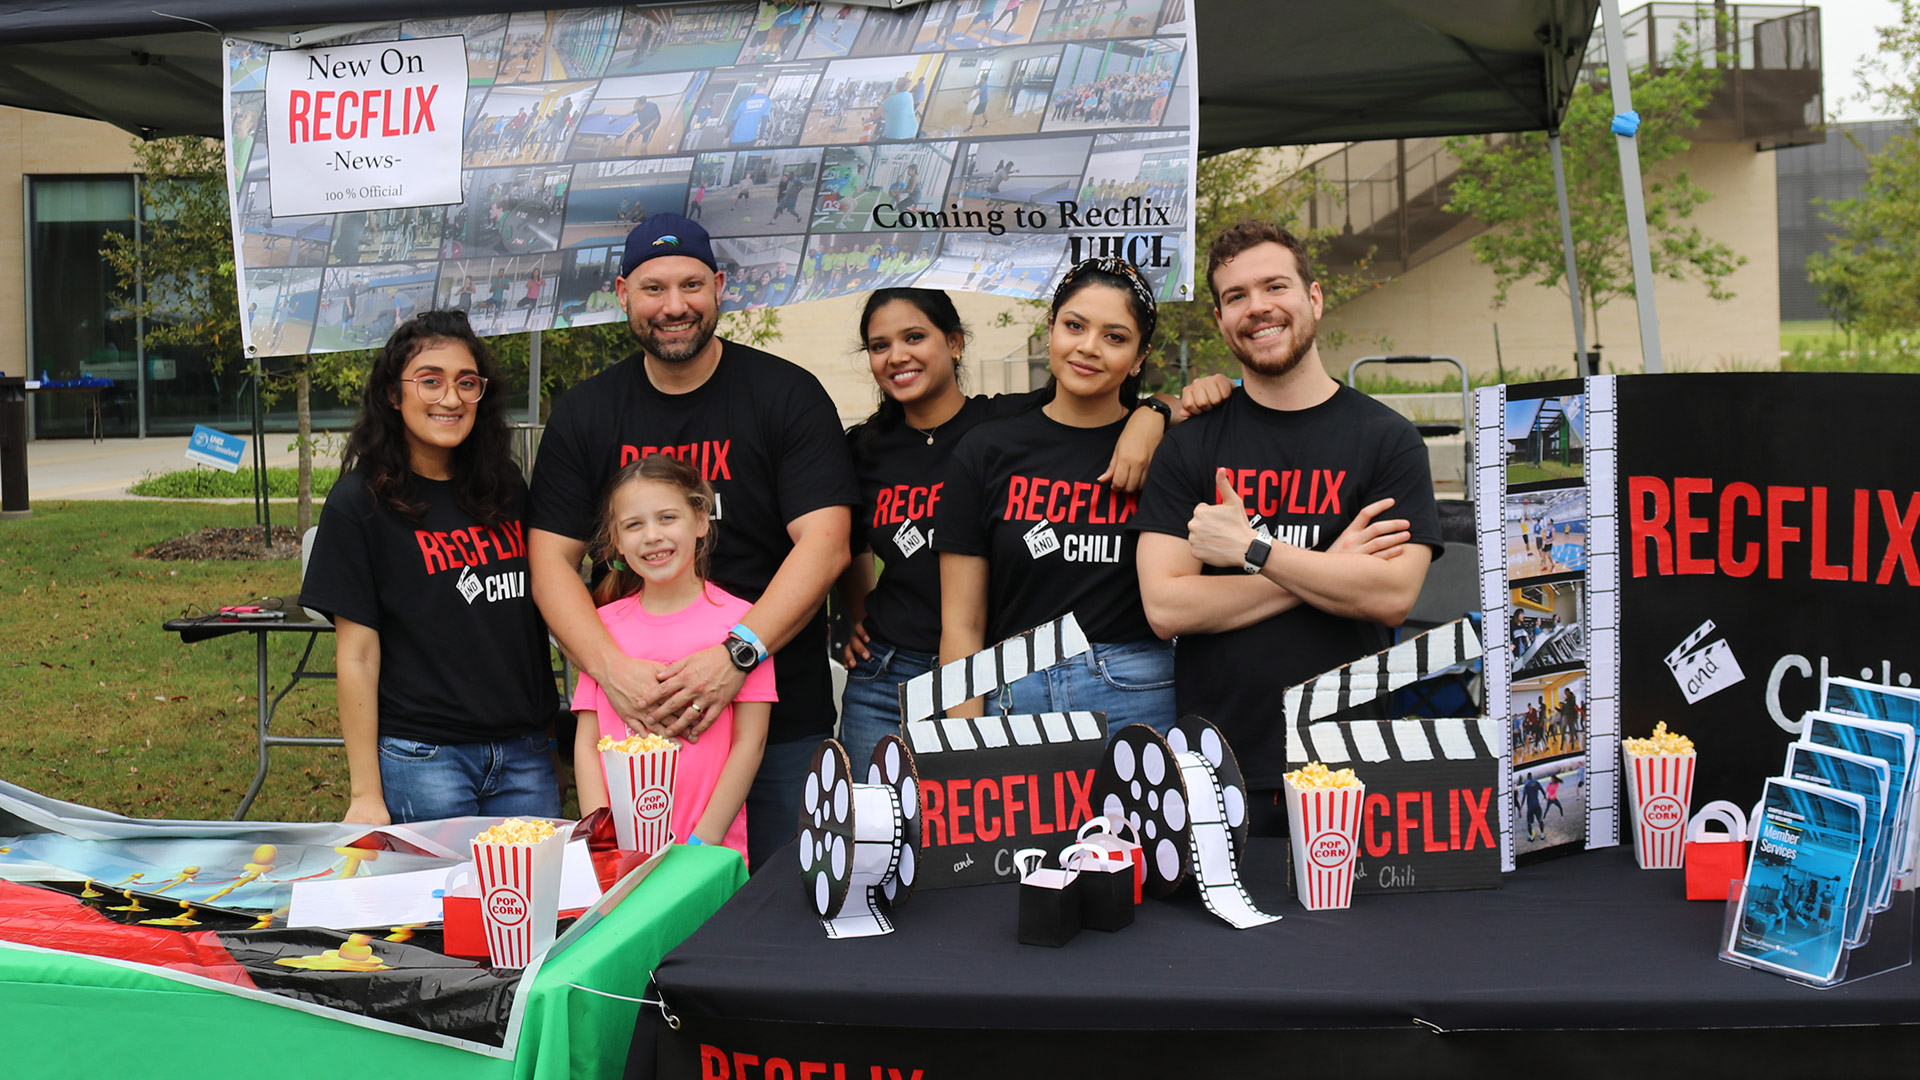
[1304, 475]
[902, 476]
[463, 653]
[1022, 493]
[764, 433]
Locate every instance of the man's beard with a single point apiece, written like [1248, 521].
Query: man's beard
[675, 354]
[1303, 344]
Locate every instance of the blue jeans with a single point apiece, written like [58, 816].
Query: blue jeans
[1130, 681]
[773, 802]
[425, 781]
[870, 705]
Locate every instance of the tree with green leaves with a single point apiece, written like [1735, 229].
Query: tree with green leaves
[1507, 183]
[1232, 187]
[180, 276]
[1870, 277]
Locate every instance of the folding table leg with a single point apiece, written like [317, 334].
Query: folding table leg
[265, 720]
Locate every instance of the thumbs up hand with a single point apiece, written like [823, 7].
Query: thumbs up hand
[1219, 534]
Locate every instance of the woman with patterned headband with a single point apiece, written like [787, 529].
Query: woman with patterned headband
[1028, 530]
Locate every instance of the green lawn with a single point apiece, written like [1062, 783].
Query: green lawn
[1548, 470]
[1808, 333]
[104, 708]
[201, 482]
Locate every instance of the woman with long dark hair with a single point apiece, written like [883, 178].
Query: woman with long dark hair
[914, 340]
[445, 684]
[1029, 528]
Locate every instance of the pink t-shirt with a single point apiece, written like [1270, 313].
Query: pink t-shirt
[667, 638]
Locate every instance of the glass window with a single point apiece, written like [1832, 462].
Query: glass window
[76, 331]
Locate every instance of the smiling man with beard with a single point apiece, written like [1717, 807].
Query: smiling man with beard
[1244, 504]
[765, 434]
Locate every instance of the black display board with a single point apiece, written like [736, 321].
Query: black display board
[991, 785]
[1782, 507]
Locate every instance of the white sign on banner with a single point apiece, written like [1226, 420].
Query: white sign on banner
[365, 127]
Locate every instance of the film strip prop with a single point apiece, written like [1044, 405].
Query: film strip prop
[1602, 612]
[994, 784]
[860, 842]
[1186, 799]
[1496, 596]
[1432, 818]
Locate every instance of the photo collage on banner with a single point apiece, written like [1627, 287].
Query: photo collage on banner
[976, 145]
[1545, 530]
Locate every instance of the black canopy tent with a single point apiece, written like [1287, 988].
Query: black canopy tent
[1275, 72]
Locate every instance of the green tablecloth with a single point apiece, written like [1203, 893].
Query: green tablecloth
[73, 1014]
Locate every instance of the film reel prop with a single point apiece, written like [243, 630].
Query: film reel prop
[1186, 798]
[860, 842]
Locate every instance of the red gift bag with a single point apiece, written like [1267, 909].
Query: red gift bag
[1715, 859]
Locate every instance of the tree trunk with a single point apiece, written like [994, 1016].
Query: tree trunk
[303, 410]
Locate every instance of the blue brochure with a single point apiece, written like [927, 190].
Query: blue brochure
[1792, 912]
[1866, 777]
[1893, 744]
[1900, 705]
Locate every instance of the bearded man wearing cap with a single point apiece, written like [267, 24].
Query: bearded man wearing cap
[765, 434]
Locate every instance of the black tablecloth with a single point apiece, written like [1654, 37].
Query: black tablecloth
[1588, 941]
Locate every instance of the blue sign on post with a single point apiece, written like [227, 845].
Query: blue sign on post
[216, 448]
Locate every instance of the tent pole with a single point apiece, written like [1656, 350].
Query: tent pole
[533, 380]
[1566, 249]
[1637, 244]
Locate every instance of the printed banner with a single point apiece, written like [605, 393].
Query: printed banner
[976, 145]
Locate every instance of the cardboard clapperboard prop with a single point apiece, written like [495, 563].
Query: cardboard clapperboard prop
[1702, 670]
[859, 843]
[1431, 820]
[992, 785]
[1185, 797]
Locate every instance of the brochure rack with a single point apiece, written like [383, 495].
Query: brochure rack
[1888, 947]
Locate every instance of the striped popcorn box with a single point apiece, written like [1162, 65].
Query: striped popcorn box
[640, 796]
[1324, 826]
[519, 897]
[1660, 790]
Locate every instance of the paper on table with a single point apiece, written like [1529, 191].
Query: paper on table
[400, 899]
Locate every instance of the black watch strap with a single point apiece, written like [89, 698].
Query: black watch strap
[742, 653]
[1256, 556]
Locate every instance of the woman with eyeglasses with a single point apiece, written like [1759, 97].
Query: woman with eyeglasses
[445, 683]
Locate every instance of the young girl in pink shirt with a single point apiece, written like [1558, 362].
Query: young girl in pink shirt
[656, 530]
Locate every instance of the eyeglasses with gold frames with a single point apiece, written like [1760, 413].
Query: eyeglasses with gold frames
[433, 388]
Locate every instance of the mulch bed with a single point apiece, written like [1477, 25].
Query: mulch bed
[226, 543]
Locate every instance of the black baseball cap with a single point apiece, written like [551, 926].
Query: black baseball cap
[667, 234]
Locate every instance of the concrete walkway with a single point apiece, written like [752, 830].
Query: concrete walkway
[80, 469]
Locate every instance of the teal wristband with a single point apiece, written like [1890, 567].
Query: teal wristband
[741, 631]
[693, 840]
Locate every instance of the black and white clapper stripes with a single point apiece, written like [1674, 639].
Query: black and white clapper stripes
[860, 843]
[1371, 677]
[1185, 797]
[951, 685]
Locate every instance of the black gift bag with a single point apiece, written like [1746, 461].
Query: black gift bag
[1106, 887]
[1049, 900]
